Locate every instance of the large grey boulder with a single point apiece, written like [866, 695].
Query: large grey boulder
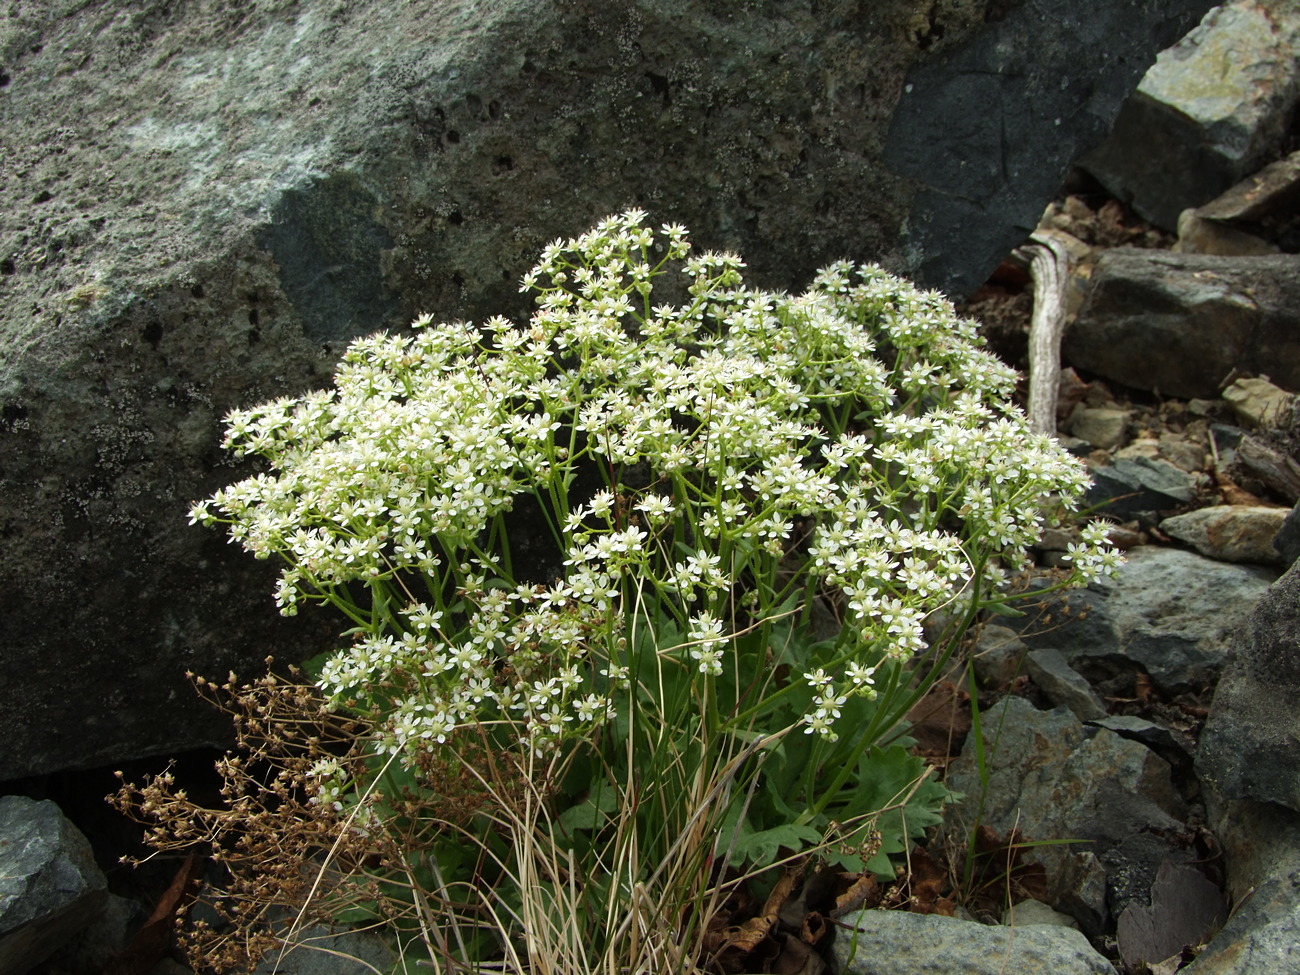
[1053, 779]
[985, 126]
[1180, 324]
[203, 202]
[1248, 748]
[1172, 614]
[50, 886]
[1261, 854]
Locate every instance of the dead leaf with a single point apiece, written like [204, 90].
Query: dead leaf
[940, 722]
[155, 938]
[796, 958]
[922, 891]
[1001, 875]
[860, 894]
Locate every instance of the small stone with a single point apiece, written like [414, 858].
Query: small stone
[1139, 484]
[1064, 686]
[998, 656]
[1197, 235]
[50, 887]
[1183, 453]
[1101, 427]
[1174, 747]
[1185, 909]
[1036, 912]
[1257, 402]
[1140, 447]
[1125, 537]
[1258, 198]
[1056, 540]
[1230, 532]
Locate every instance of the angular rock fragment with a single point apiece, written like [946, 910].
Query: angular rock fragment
[1258, 402]
[1062, 685]
[1181, 324]
[1248, 746]
[1134, 486]
[1170, 613]
[1230, 532]
[50, 886]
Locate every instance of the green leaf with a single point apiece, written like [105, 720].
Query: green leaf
[1000, 608]
[762, 847]
[592, 813]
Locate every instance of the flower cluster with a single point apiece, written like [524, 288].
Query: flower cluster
[751, 452]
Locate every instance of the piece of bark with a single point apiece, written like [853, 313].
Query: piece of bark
[1271, 467]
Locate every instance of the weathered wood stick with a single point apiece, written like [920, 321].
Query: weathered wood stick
[1049, 265]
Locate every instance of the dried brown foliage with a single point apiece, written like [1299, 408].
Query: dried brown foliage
[281, 858]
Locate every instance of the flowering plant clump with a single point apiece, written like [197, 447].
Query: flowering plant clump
[746, 511]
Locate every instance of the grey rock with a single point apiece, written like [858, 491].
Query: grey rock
[1263, 934]
[1258, 402]
[321, 951]
[1263, 206]
[1287, 540]
[1260, 841]
[50, 888]
[1031, 912]
[1179, 324]
[1210, 111]
[1261, 197]
[993, 125]
[1185, 909]
[1249, 746]
[1136, 485]
[1052, 779]
[1198, 235]
[1062, 685]
[1175, 747]
[899, 943]
[1102, 427]
[998, 656]
[1230, 532]
[1171, 613]
[204, 202]
[1261, 854]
